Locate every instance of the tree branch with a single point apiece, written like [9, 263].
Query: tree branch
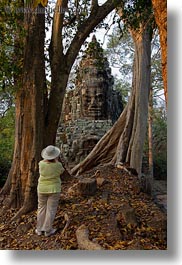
[96, 16]
[94, 5]
[56, 45]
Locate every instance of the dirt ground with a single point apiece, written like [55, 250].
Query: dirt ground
[118, 216]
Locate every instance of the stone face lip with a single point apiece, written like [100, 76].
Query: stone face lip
[89, 110]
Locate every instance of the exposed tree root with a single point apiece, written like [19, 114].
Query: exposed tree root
[66, 217]
[84, 243]
[23, 210]
[105, 149]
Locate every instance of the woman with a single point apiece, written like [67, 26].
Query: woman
[48, 189]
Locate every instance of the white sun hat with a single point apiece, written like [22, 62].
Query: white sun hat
[50, 152]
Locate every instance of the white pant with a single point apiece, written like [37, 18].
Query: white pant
[47, 208]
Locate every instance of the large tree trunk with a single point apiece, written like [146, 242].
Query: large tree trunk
[30, 111]
[141, 83]
[124, 141]
[160, 13]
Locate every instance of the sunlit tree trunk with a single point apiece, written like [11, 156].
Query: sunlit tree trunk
[141, 85]
[30, 112]
[160, 13]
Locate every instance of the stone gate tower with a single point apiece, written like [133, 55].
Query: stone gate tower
[91, 108]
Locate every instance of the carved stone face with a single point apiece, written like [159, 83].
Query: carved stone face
[93, 102]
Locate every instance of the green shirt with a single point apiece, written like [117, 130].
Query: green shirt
[49, 180]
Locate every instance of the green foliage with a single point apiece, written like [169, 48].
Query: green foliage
[11, 42]
[4, 169]
[156, 71]
[135, 12]
[120, 53]
[7, 124]
[160, 166]
[160, 131]
[159, 143]
[120, 50]
[11, 38]
[123, 88]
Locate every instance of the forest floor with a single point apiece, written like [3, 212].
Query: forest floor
[119, 217]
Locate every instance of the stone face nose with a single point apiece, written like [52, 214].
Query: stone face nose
[93, 103]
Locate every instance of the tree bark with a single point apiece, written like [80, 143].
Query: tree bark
[160, 14]
[87, 186]
[141, 83]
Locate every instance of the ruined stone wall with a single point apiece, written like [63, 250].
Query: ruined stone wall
[77, 138]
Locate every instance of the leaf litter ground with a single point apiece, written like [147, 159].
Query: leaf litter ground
[100, 213]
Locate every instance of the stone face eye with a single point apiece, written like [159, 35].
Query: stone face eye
[99, 96]
[86, 98]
